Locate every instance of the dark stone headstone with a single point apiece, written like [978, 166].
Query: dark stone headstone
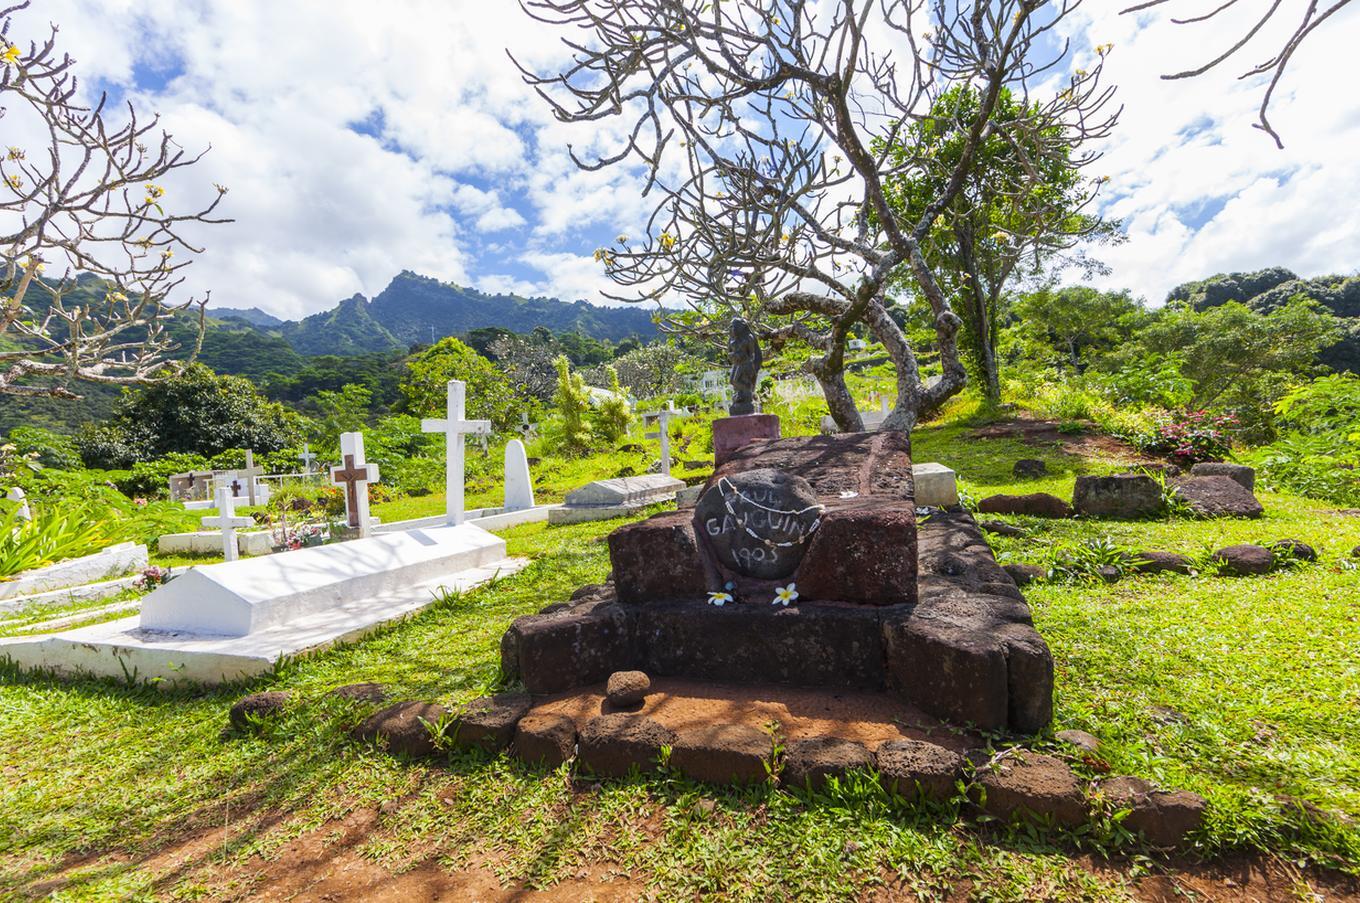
[1030, 468]
[732, 434]
[758, 522]
[1124, 495]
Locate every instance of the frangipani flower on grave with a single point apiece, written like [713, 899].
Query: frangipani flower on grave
[783, 595]
[719, 599]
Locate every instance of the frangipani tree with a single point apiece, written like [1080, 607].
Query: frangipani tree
[767, 129]
[81, 195]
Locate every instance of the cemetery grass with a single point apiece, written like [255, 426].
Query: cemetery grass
[1245, 690]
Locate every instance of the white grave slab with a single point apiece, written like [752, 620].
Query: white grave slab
[620, 496]
[243, 597]
[936, 485]
[115, 561]
[519, 486]
[224, 622]
[209, 542]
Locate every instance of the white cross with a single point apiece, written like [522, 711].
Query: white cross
[307, 457]
[354, 473]
[454, 428]
[227, 521]
[250, 473]
[663, 420]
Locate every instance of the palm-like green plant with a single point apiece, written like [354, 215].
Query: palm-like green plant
[54, 533]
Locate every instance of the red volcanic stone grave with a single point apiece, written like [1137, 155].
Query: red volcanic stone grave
[884, 603]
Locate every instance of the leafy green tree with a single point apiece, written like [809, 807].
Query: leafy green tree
[490, 395]
[1241, 361]
[48, 448]
[612, 416]
[1070, 322]
[573, 402]
[340, 412]
[1018, 212]
[198, 412]
[655, 369]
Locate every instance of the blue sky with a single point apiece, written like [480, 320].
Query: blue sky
[359, 144]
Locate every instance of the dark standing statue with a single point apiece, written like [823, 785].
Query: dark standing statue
[743, 350]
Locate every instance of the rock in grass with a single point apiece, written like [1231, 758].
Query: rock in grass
[1080, 739]
[1163, 817]
[914, 768]
[488, 722]
[1029, 469]
[627, 688]
[1239, 473]
[812, 762]
[1028, 783]
[1024, 574]
[1037, 504]
[611, 745]
[1244, 560]
[403, 729]
[545, 739]
[1217, 497]
[1125, 495]
[1162, 562]
[723, 753]
[1293, 548]
[365, 692]
[257, 705]
[1001, 528]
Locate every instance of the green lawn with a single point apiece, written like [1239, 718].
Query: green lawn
[1245, 690]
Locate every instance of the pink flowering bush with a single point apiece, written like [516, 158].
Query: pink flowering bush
[1190, 437]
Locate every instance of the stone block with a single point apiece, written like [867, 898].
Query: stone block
[488, 723]
[952, 672]
[689, 496]
[404, 729]
[863, 553]
[1293, 548]
[646, 489]
[1029, 469]
[917, 768]
[571, 648]
[731, 434]
[657, 558]
[1024, 574]
[1240, 473]
[812, 762]
[1035, 504]
[936, 485]
[611, 745]
[545, 738]
[723, 754]
[1127, 496]
[1164, 818]
[876, 465]
[1031, 784]
[807, 645]
[1217, 496]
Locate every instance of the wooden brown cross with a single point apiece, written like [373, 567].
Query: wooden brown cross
[236, 488]
[351, 475]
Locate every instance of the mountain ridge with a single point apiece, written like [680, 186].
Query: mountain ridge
[415, 309]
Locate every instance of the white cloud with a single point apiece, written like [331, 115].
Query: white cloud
[1183, 143]
[470, 179]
